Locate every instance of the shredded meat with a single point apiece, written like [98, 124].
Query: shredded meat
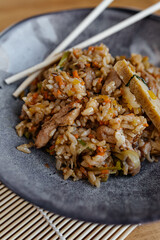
[112, 77]
[90, 76]
[65, 116]
[145, 149]
[81, 64]
[131, 170]
[105, 133]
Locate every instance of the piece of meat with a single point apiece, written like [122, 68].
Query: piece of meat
[112, 77]
[145, 97]
[64, 117]
[90, 76]
[151, 81]
[81, 64]
[106, 133]
[145, 149]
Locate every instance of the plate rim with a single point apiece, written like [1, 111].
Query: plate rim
[44, 203]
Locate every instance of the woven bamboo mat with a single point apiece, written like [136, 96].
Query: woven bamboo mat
[20, 220]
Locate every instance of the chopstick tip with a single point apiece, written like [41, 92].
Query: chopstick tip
[15, 95]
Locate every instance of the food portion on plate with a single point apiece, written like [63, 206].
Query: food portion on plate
[98, 115]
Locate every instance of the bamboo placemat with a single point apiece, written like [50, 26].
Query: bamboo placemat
[20, 220]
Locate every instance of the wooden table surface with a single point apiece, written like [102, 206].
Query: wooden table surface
[12, 11]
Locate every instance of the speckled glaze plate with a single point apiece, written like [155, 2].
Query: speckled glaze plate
[121, 200]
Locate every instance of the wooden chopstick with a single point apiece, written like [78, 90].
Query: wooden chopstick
[125, 23]
[73, 35]
[116, 28]
[82, 26]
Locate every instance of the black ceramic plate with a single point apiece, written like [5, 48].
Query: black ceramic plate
[121, 199]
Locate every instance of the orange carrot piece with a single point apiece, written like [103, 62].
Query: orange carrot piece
[59, 92]
[76, 53]
[76, 136]
[82, 83]
[91, 136]
[100, 151]
[100, 80]
[88, 65]
[59, 80]
[35, 95]
[91, 48]
[105, 171]
[107, 100]
[75, 74]
[96, 64]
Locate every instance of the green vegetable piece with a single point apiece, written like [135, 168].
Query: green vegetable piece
[50, 151]
[104, 179]
[140, 78]
[39, 85]
[117, 167]
[63, 59]
[83, 143]
[90, 149]
[27, 135]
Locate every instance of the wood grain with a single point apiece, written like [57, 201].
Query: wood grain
[12, 11]
[146, 232]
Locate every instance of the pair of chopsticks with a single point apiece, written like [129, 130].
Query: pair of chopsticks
[70, 38]
[57, 53]
[54, 57]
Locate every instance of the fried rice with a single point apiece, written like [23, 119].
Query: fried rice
[81, 112]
